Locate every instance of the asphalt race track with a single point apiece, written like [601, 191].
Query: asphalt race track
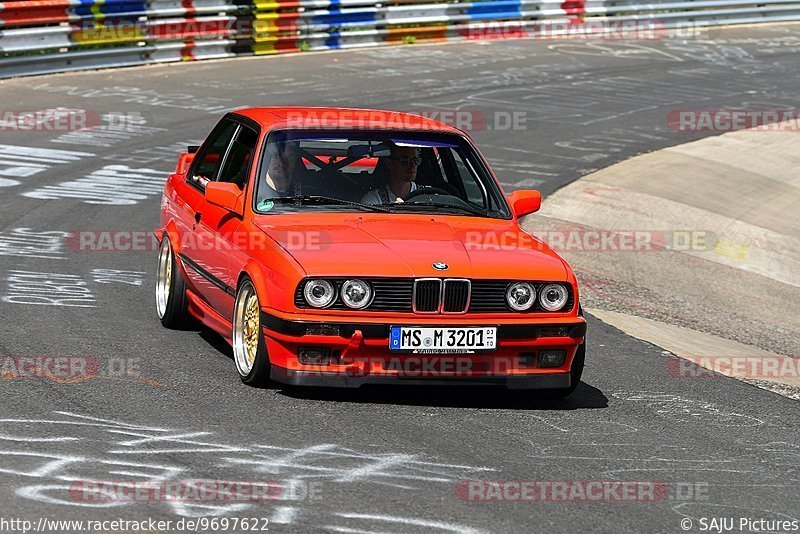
[394, 460]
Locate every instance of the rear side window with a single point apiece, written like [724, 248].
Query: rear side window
[213, 152]
[237, 165]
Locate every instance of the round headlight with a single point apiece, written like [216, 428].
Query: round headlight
[356, 294]
[552, 297]
[319, 293]
[521, 296]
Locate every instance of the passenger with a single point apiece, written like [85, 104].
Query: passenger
[402, 164]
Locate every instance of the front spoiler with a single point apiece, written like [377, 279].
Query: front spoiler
[344, 380]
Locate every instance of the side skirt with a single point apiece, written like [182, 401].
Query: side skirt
[206, 315]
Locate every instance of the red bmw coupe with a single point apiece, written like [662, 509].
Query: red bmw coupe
[342, 247]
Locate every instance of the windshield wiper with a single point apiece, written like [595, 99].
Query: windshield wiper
[444, 205]
[318, 199]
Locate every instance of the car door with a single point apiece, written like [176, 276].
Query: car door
[222, 225]
[206, 267]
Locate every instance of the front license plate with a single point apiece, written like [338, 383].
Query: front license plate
[435, 340]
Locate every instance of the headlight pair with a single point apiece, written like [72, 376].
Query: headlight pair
[521, 296]
[354, 293]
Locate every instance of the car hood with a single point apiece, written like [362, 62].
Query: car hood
[389, 245]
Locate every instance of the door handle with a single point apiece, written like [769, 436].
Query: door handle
[197, 217]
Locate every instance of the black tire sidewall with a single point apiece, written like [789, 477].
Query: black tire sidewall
[175, 313]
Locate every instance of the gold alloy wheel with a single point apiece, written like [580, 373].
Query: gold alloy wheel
[164, 279]
[246, 328]
[251, 328]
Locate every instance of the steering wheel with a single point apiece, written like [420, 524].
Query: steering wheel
[427, 191]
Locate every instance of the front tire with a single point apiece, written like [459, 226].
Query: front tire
[249, 346]
[171, 302]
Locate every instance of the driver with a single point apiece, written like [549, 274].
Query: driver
[280, 180]
[402, 165]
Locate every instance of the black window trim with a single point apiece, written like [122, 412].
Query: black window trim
[240, 121]
[201, 152]
[241, 125]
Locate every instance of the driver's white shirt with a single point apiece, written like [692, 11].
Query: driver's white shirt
[374, 196]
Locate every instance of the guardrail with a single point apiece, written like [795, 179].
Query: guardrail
[44, 36]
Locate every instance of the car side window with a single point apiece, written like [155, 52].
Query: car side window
[212, 153]
[236, 167]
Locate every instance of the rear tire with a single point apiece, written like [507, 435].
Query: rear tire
[249, 345]
[171, 302]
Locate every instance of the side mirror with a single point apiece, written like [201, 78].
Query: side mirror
[184, 162]
[524, 202]
[226, 195]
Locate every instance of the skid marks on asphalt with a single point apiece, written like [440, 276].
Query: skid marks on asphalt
[113, 185]
[23, 162]
[62, 289]
[29, 243]
[50, 457]
[687, 410]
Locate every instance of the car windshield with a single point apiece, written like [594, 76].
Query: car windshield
[381, 171]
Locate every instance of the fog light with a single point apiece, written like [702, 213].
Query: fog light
[552, 358]
[314, 356]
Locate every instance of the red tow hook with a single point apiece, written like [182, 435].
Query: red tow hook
[353, 351]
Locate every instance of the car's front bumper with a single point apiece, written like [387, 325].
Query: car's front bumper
[362, 354]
